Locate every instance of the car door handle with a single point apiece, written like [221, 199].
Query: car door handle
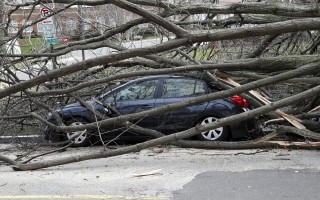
[146, 107]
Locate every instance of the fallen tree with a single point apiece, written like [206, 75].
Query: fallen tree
[260, 45]
[181, 135]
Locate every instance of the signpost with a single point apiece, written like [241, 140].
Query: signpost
[49, 30]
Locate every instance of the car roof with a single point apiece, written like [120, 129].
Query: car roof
[157, 76]
[160, 76]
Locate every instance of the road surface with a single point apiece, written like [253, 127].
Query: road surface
[170, 173]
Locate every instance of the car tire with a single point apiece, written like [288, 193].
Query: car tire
[52, 135]
[83, 140]
[218, 134]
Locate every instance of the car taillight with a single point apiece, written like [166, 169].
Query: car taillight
[240, 101]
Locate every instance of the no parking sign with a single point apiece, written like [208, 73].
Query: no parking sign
[44, 12]
[49, 30]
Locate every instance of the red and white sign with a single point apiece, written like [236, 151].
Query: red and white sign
[47, 21]
[65, 40]
[44, 12]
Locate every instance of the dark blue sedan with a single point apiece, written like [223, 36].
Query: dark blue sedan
[153, 92]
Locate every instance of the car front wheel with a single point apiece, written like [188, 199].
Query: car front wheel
[84, 138]
[217, 134]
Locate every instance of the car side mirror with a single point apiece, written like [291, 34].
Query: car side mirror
[107, 106]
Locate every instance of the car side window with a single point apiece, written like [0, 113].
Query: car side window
[179, 87]
[134, 91]
[200, 88]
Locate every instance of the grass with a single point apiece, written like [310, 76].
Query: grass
[31, 45]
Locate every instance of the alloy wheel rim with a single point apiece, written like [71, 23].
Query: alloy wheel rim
[81, 138]
[212, 134]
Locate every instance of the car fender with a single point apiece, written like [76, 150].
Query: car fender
[217, 108]
[79, 111]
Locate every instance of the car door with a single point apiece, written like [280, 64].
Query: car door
[174, 90]
[135, 97]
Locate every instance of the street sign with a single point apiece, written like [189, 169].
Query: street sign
[47, 21]
[44, 12]
[65, 40]
[49, 30]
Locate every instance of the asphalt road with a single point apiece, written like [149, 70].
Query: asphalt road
[169, 173]
[252, 185]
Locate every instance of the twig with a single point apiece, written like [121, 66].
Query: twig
[70, 143]
[49, 152]
[314, 109]
[150, 173]
[3, 184]
[26, 154]
[252, 153]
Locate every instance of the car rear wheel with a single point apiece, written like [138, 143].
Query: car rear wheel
[84, 139]
[217, 134]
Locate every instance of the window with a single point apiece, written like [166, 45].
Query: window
[70, 24]
[178, 88]
[200, 88]
[87, 24]
[134, 91]
[13, 26]
[27, 29]
[112, 22]
[23, 2]
[101, 23]
[39, 27]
